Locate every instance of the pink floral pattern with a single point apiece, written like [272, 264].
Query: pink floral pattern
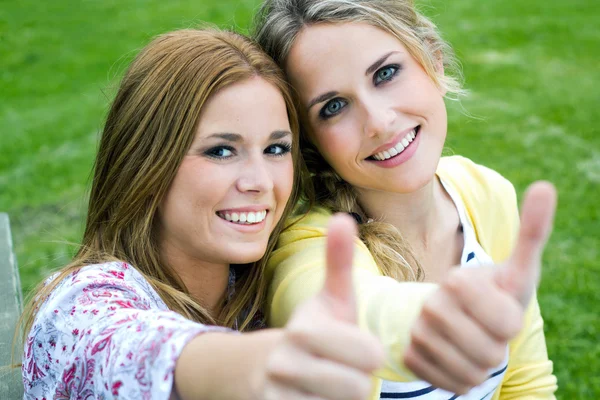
[104, 333]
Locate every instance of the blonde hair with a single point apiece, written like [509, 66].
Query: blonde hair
[277, 25]
[149, 128]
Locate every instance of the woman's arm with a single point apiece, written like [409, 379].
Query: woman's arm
[449, 335]
[319, 354]
[385, 307]
[529, 373]
[105, 332]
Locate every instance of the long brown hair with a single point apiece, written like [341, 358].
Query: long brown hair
[148, 130]
[277, 26]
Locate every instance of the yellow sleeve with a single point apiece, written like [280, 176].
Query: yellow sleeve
[491, 202]
[385, 307]
[529, 374]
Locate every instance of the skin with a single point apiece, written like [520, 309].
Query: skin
[356, 104]
[379, 95]
[239, 160]
[320, 354]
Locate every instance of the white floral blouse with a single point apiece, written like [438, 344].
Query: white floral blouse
[104, 333]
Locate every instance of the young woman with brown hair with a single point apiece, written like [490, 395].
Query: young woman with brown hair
[197, 168]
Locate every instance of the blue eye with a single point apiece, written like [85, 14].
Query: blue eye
[385, 74]
[279, 149]
[332, 108]
[220, 152]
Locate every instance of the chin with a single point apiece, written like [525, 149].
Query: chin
[246, 254]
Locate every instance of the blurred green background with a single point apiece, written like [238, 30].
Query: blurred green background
[532, 68]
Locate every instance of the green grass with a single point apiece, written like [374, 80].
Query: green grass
[532, 69]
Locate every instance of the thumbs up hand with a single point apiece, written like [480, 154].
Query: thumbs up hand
[322, 353]
[464, 327]
[521, 273]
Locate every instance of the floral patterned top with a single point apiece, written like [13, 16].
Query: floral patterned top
[105, 333]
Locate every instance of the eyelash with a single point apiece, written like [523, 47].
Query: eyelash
[285, 149]
[396, 67]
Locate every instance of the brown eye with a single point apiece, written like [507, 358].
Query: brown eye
[220, 152]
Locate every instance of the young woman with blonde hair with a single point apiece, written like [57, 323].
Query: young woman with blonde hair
[370, 78]
[197, 168]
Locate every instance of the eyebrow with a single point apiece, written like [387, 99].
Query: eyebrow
[378, 63]
[230, 137]
[370, 70]
[320, 98]
[236, 137]
[279, 135]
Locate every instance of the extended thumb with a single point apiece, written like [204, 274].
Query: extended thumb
[338, 286]
[522, 271]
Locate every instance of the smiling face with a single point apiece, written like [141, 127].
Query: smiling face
[371, 110]
[233, 184]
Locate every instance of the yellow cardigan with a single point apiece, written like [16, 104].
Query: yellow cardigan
[387, 308]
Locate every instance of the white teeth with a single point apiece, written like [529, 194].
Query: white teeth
[398, 148]
[246, 218]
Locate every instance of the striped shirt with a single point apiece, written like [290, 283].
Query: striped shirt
[473, 256]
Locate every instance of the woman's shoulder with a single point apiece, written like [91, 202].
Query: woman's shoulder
[101, 281]
[490, 201]
[308, 223]
[476, 182]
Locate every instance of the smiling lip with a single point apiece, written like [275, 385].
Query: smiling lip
[402, 157]
[394, 142]
[254, 208]
[245, 219]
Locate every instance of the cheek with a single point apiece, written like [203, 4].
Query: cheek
[339, 144]
[283, 180]
[188, 193]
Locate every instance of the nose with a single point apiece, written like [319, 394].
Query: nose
[255, 176]
[379, 118]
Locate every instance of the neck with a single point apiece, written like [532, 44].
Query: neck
[206, 282]
[416, 214]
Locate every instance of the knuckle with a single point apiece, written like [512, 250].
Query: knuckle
[360, 388]
[455, 282]
[374, 360]
[299, 336]
[418, 332]
[512, 323]
[411, 358]
[476, 377]
[462, 389]
[495, 355]
[431, 310]
[281, 367]
[377, 356]
[422, 340]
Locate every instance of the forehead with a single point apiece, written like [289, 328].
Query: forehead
[251, 107]
[328, 49]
